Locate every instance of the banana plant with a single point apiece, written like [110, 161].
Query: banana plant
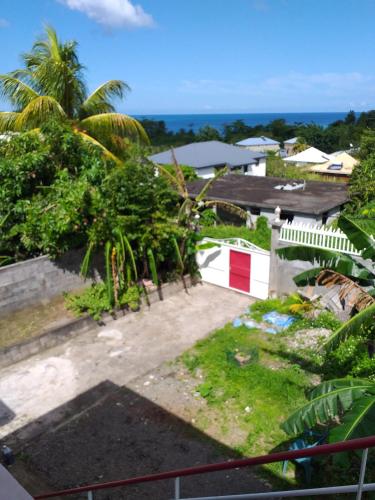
[348, 402]
[354, 278]
[190, 208]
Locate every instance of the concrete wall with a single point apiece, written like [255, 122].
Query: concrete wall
[214, 268]
[258, 168]
[38, 280]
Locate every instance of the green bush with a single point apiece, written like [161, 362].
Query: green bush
[93, 301]
[261, 236]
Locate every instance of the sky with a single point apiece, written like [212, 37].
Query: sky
[211, 56]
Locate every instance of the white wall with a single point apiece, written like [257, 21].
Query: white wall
[258, 169]
[214, 267]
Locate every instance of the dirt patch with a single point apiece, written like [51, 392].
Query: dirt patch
[145, 428]
[30, 322]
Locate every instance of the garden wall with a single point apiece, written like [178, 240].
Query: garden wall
[37, 280]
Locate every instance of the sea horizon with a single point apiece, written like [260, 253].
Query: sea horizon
[195, 121]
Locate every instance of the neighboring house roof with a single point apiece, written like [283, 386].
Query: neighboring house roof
[208, 154]
[294, 140]
[310, 155]
[312, 197]
[258, 141]
[341, 164]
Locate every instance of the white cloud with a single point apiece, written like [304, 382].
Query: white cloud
[3, 23]
[112, 13]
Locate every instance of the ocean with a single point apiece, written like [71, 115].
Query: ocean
[195, 122]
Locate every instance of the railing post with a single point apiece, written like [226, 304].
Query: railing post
[177, 488]
[362, 474]
[90, 495]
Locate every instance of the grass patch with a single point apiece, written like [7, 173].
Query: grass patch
[260, 236]
[256, 396]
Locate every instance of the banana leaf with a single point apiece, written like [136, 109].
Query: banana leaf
[337, 261]
[360, 239]
[327, 400]
[358, 422]
[353, 326]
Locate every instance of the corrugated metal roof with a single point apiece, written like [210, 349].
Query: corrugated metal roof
[208, 154]
[258, 141]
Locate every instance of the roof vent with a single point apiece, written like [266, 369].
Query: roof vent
[293, 186]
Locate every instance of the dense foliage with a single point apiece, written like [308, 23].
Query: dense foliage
[337, 136]
[58, 192]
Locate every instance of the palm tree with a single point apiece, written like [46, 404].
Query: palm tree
[355, 279]
[51, 86]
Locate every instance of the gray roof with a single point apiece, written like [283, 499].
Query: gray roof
[258, 141]
[294, 140]
[264, 192]
[208, 154]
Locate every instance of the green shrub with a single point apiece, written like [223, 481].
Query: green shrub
[131, 298]
[93, 301]
[261, 236]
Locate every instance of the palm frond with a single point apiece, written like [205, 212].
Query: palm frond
[99, 101]
[16, 91]
[39, 110]
[360, 239]
[8, 121]
[358, 296]
[93, 141]
[172, 179]
[103, 126]
[327, 401]
[206, 187]
[364, 318]
[228, 207]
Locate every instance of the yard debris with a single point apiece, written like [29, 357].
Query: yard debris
[242, 359]
[280, 321]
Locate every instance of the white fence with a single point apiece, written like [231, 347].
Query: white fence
[315, 236]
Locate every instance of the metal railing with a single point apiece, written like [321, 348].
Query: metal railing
[315, 236]
[237, 242]
[324, 449]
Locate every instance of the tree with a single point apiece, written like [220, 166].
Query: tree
[354, 278]
[208, 133]
[51, 85]
[362, 184]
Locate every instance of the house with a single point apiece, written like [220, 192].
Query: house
[308, 157]
[262, 144]
[289, 145]
[206, 157]
[340, 166]
[302, 201]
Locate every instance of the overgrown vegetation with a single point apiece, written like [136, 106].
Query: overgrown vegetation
[260, 236]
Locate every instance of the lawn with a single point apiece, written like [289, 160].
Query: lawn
[249, 401]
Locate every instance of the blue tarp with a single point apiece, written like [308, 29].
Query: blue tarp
[280, 321]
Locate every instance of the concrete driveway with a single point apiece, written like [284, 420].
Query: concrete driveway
[43, 385]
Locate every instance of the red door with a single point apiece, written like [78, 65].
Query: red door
[239, 270]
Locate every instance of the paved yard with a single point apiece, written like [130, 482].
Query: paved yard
[62, 382]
